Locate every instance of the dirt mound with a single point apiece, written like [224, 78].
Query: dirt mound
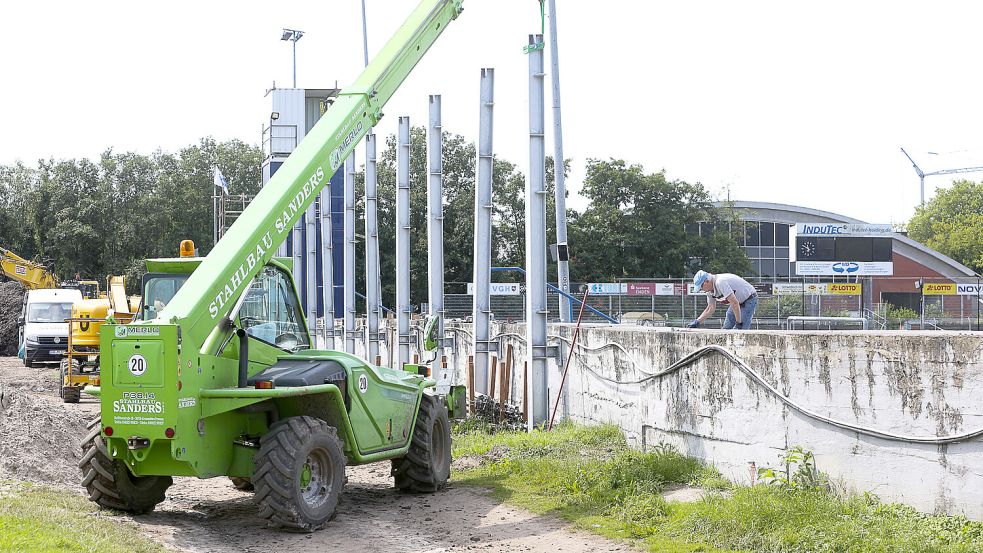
[38, 436]
[11, 299]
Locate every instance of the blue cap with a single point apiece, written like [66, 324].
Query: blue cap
[700, 277]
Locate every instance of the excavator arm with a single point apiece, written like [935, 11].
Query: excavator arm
[31, 274]
[214, 288]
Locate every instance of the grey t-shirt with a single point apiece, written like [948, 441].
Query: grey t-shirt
[726, 284]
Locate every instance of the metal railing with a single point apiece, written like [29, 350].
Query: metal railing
[279, 139]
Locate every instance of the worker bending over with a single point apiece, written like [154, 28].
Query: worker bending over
[729, 289]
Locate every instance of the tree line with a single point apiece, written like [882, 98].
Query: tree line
[95, 218]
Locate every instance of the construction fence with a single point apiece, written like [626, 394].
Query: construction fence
[888, 303]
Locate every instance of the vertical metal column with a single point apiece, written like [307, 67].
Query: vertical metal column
[403, 241]
[310, 272]
[482, 232]
[327, 264]
[563, 266]
[536, 241]
[435, 235]
[349, 254]
[371, 251]
[297, 249]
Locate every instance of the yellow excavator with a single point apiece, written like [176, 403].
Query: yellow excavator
[80, 367]
[36, 275]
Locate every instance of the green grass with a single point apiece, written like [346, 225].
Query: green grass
[590, 477]
[37, 518]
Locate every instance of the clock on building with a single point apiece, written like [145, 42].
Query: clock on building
[807, 248]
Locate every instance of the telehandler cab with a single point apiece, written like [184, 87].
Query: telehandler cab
[218, 377]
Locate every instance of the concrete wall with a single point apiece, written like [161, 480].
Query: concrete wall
[911, 383]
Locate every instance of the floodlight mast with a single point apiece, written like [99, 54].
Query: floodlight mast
[293, 35]
[921, 174]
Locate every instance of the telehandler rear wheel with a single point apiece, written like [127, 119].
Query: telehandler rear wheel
[427, 465]
[110, 483]
[300, 471]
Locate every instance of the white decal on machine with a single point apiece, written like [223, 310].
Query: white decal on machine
[283, 222]
[138, 402]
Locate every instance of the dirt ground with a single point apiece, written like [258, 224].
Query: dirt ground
[39, 442]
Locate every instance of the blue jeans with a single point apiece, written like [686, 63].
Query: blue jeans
[747, 312]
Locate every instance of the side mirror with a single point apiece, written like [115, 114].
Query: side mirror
[20, 321]
[430, 330]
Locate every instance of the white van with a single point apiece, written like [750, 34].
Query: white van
[43, 330]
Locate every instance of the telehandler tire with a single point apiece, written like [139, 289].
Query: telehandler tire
[427, 465]
[300, 471]
[111, 484]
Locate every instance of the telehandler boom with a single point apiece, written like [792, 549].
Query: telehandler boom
[219, 378]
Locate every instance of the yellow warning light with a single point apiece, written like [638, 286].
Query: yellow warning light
[187, 248]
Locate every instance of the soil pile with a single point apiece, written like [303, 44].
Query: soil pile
[11, 299]
[38, 435]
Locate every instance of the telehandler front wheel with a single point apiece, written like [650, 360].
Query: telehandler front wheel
[427, 465]
[300, 471]
[111, 484]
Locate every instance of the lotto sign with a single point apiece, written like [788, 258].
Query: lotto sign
[939, 289]
[849, 289]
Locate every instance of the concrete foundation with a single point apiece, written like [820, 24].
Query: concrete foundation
[909, 383]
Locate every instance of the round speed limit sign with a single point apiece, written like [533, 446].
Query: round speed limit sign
[137, 364]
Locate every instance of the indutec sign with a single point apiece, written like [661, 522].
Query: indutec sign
[842, 229]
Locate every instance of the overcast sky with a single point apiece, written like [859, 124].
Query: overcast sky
[804, 103]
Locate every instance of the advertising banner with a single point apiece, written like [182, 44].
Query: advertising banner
[939, 289]
[843, 229]
[650, 289]
[500, 288]
[845, 289]
[844, 268]
[607, 288]
[969, 289]
[786, 288]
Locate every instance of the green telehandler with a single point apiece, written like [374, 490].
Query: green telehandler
[217, 377]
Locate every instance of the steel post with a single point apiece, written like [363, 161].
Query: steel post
[310, 268]
[371, 251]
[327, 274]
[482, 231]
[536, 310]
[349, 254]
[563, 265]
[403, 308]
[435, 236]
[297, 252]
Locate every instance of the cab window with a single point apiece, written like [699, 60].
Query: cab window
[271, 312]
[158, 290]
